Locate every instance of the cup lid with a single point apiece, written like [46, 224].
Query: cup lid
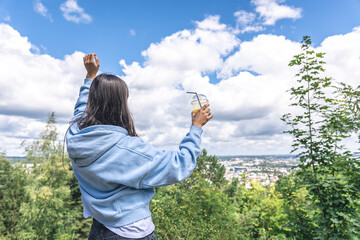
[201, 97]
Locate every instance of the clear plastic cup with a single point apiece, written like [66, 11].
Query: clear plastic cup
[198, 101]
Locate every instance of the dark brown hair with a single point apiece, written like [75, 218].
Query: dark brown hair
[107, 104]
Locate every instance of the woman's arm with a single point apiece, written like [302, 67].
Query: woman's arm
[137, 164]
[169, 167]
[92, 64]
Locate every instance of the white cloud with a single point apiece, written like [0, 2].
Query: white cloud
[32, 86]
[247, 102]
[41, 9]
[211, 22]
[246, 22]
[74, 13]
[244, 18]
[35, 49]
[199, 50]
[343, 57]
[267, 13]
[271, 11]
[247, 107]
[16, 129]
[265, 54]
[256, 28]
[239, 99]
[132, 32]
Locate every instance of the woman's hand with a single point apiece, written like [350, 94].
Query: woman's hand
[202, 116]
[92, 65]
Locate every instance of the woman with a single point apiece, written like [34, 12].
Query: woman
[116, 170]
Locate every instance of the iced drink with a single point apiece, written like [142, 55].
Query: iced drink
[198, 101]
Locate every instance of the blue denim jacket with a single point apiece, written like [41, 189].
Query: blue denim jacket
[117, 173]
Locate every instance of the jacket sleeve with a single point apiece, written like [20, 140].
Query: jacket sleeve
[82, 99]
[169, 167]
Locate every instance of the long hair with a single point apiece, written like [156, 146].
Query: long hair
[107, 104]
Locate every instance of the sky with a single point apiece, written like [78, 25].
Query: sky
[236, 52]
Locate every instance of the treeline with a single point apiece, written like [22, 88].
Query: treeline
[319, 200]
[43, 202]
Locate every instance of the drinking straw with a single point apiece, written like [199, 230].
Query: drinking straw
[196, 97]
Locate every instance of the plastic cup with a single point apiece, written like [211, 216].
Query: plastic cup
[198, 101]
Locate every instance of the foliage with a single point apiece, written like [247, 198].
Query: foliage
[12, 194]
[196, 208]
[296, 204]
[48, 192]
[261, 214]
[201, 208]
[210, 169]
[327, 170]
[47, 201]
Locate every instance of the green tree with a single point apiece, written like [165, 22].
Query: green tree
[196, 208]
[12, 194]
[300, 217]
[260, 213]
[48, 214]
[327, 168]
[232, 188]
[209, 168]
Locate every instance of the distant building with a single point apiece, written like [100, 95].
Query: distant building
[240, 169]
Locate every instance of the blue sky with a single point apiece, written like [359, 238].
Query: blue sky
[233, 49]
[108, 34]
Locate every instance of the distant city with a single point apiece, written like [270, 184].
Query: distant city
[264, 169]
